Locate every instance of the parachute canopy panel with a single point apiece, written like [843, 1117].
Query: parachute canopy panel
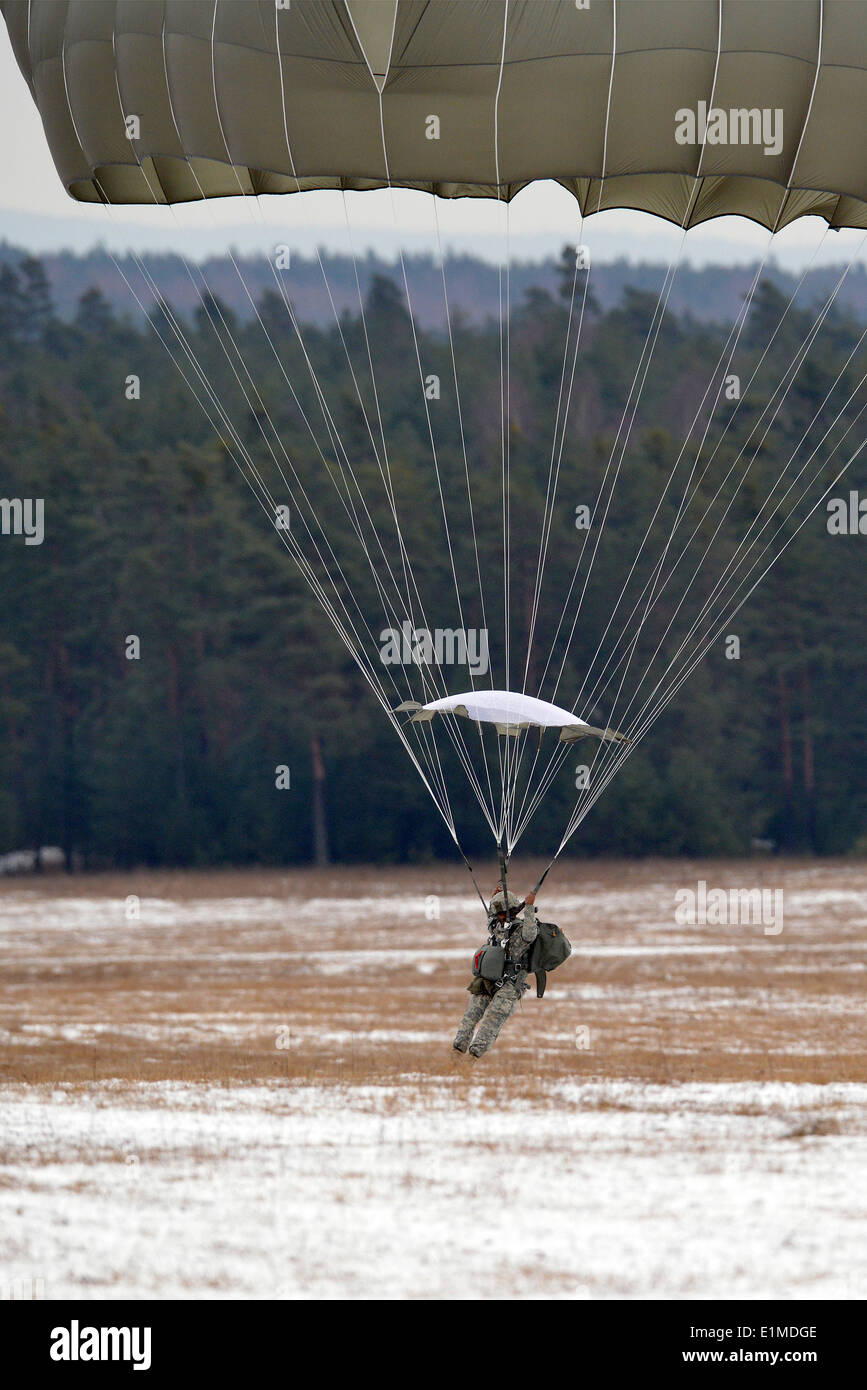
[510, 713]
[478, 98]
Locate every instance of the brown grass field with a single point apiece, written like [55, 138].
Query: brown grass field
[185, 994]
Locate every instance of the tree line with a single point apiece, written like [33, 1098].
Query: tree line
[161, 658]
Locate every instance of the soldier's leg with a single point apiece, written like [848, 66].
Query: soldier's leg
[496, 1014]
[474, 1012]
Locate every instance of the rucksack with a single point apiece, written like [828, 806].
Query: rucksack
[549, 950]
[489, 962]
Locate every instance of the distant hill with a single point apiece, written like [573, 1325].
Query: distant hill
[710, 293]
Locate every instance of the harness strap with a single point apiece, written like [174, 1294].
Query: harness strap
[511, 968]
[538, 885]
[511, 913]
[504, 869]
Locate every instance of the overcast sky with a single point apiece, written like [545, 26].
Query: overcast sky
[37, 213]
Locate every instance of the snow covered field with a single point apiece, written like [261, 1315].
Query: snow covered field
[224, 1098]
[623, 1190]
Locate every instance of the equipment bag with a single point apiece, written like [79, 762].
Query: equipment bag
[489, 962]
[549, 950]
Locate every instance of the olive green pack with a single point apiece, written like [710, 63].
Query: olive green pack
[549, 950]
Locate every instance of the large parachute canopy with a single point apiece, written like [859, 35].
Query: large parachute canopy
[686, 109]
[263, 97]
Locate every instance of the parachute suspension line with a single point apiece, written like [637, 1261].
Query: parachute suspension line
[730, 420]
[540, 568]
[743, 320]
[386, 479]
[731, 568]
[652, 581]
[530, 804]
[304, 567]
[551, 492]
[732, 563]
[383, 462]
[455, 733]
[646, 353]
[783, 201]
[329, 421]
[261, 493]
[460, 747]
[742, 580]
[693, 660]
[608, 103]
[794, 295]
[644, 362]
[466, 463]
[600, 192]
[639, 379]
[785, 198]
[487, 807]
[269, 505]
[513, 835]
[460, 415]
[505, 752]
[509, 745]
[420, 367]
[688, 497]
[598, 208]
[718, 374]
[699, 655]
[513, 747]
[264, 490]
[385, 472]
[556, 459]
[409, 576]
[645, 358]
[330, 425]
[385, 465]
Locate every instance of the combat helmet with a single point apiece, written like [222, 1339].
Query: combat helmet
[498, 903]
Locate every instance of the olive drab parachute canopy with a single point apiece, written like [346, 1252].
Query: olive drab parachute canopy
[510, 713]
[623, 102]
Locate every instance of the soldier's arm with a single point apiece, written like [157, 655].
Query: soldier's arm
[530, 928]
[524, 935]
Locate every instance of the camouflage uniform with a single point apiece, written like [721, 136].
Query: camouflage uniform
[491, 1005]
